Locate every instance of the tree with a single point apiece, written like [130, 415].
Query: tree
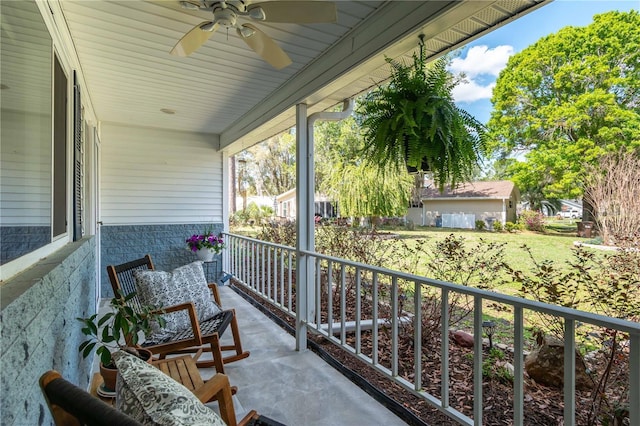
[613, 189]
[360, 189]
[566, 100]
[273, 165]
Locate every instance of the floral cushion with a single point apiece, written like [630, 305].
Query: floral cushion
[151, 397]
[184, 284]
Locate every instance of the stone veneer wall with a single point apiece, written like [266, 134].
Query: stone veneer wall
[165, 243]
[20, 240]
[39, 330]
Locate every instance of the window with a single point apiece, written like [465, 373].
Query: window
[26, 130]
[59, 150]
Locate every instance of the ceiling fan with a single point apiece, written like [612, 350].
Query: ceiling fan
[226, 14]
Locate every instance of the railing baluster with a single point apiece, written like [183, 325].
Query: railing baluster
[394, 326]
[270, 283]
[444, 350]
[330, 298]
[417, 335]
[569, 372]
[277, 284]
[343, 303]
[318, 292]
[358, 347]
[518, 366]
[477, 361]
[290, 279]
[374, 296]
[634, 379]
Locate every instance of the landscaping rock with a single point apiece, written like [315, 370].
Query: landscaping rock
[546, 365]
[462, 338]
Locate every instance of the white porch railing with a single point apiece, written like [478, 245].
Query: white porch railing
[269, 270]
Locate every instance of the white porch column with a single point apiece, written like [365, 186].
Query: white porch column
[305, 177]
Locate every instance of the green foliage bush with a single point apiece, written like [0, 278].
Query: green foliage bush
[252, 215]
[480, 225]
[497, 226]
[532, 220]
[512, 227]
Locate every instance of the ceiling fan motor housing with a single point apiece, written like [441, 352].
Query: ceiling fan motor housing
[225, 17]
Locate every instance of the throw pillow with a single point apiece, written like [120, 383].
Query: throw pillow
[184, 284]
[151, 397]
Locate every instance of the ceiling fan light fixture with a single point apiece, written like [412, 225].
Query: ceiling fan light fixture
[257, 13]
[189, 6]
[208, 26]
[246, 32]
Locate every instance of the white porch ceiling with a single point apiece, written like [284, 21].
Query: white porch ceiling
[224, 88]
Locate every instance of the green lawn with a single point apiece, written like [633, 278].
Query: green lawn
[554, 246]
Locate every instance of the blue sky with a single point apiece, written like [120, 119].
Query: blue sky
[483, 59]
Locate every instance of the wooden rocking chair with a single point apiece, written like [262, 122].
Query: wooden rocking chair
[203, 336]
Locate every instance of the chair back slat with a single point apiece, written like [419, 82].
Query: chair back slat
[122, 280]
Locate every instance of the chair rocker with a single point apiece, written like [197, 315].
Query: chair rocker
[202, 337]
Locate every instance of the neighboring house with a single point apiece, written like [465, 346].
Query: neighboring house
[460, 207]
[286, 205]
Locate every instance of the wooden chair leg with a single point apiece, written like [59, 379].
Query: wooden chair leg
[216, 354]
[237, 343]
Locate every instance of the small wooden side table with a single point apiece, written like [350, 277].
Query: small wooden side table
[182, 369]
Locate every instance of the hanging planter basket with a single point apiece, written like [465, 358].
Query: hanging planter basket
[413, 122]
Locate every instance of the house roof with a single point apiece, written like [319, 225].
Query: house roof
[483, 189]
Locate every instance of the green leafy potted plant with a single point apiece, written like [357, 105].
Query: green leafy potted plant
[413, 121]
[118, 329]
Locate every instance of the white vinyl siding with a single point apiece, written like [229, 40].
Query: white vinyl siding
[25, 169]
[153, 176]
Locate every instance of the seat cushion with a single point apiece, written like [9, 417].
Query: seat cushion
[184, 284]
[151, 397]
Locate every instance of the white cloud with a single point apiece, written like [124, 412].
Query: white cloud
[482, 60]
[470, 91]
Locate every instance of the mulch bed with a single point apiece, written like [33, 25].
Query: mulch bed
[543, 405]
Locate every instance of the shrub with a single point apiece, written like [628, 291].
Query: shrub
[497, 226]
[532, 220]
[480, 225]
[511, 227]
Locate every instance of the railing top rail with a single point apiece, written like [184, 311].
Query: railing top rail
[255, 240]
[568, 313]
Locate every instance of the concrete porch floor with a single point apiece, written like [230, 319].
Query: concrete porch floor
[294, 388]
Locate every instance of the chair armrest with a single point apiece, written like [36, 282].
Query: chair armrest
[218, 388]
[251, 416]
[216, 293]
[193, 317]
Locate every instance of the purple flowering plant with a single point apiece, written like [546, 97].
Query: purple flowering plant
[205, 241]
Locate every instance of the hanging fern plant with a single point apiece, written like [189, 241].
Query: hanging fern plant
[413, 122]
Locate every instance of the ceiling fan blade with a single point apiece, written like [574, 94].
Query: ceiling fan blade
[298, 12]
[192, 40]
[264, 46]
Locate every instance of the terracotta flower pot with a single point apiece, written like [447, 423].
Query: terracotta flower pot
[110, 373]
